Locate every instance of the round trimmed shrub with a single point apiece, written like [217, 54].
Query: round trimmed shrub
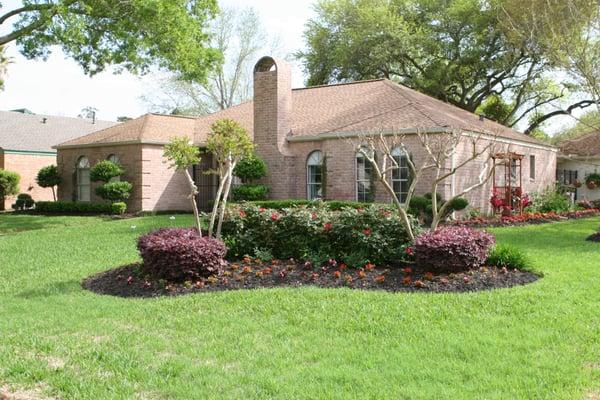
[250, 169]
[453, 249]
[24, 202]
[104, 171]
[115, 191]
[180, 254]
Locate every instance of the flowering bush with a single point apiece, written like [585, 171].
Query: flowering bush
[178, 254]
[549, 200]
[452, 249]
[354, 236]
[527, 218]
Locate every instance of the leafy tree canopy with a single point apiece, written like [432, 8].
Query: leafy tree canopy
[587, 123]
[458, 51]
[133, 34]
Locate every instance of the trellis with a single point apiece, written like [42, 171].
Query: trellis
[508, 182]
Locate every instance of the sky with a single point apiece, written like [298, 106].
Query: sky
[59, 87]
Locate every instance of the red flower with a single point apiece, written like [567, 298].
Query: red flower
[327, 227]
[407, 270]
[261, 210]
[370, 267]
[409, 251]
[313, 216]
[242, 213]
[274, 217]
[367, 232]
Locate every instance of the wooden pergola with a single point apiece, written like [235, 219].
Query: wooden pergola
[508, 186]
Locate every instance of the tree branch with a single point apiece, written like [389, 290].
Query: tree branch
[568, 111]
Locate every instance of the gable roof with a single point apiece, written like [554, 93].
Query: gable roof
[28, 132]
[584, 146]
[319, 112]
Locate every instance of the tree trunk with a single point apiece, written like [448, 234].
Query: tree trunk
[225, 196]
[193, 199]
[53, 193]
[215, 209]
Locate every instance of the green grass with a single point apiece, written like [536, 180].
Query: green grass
[539, 341]
[17, 222]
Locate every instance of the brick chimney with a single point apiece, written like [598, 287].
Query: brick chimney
[272, 123]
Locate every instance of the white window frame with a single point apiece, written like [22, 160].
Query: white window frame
[83, 164]
[314, 190]
[367, 173]
[396, 176]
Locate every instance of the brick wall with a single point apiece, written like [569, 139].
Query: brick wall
[130, 157]
[27, 166]
[163, 188]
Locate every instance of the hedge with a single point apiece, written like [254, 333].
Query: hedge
[333, 205]
[71, 207]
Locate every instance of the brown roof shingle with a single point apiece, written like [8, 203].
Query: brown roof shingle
[320, 110]
[583, 146]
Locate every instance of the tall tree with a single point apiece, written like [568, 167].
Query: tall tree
[239, 36]
[4, 61]
[567, 32]
[454, 50]
[133, 34]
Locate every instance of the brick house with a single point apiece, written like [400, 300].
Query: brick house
[302, 134]
[26, 142]
[578, 158]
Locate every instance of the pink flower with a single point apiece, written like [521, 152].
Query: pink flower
[274, 217]
[367, 232]
[313, 216]
[409, 251]
[261, 210]
[327, 227]
[242, 213]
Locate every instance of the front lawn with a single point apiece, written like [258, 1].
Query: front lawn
[538, 341]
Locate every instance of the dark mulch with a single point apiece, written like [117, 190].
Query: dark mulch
[594, 237]
[128, 280]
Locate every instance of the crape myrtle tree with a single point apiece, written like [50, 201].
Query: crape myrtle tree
[229, 143]
[183, 155]
[133, 35]
[380, 147]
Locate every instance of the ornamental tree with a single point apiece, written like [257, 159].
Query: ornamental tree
[183, 154]
[9, 183]
[229, 143]
[48, 177]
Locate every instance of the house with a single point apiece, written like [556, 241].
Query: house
[26, 141]
[578, 158]
[303, 135]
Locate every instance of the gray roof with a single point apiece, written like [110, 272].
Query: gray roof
[28, 132]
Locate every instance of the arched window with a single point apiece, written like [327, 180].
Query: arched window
[364, 191]
[113, 158]
[314, 175]
[83, 179]
[400, 175]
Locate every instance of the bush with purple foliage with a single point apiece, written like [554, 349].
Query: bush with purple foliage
[453, 249]
[178, 254]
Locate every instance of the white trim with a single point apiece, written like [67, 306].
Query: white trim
[127, 142]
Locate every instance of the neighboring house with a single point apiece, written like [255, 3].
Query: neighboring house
[303, 135]
[578, 158]
[26, 142]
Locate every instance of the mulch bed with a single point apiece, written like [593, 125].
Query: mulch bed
[594, 237]
[526, 219]
[128, 280]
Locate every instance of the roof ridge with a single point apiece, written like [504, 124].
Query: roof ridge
[173, 115]
[396, 87]
[341, 84]
[101, 130]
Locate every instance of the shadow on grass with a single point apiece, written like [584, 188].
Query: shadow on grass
[53, 289]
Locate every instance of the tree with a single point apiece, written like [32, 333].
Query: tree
[48, 177]
[113, 188]
[134, 35]
[238, 35]
[456, 50]
[229, 143]
[587, 123]
[9, 183]
[183, 154]
[378, 148]
[567, 32]
[88, 112]
[4, 61]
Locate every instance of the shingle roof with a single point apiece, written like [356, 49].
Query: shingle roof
[28, 132]
[583, 146]
[322, 110]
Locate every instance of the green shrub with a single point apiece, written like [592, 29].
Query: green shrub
[333, 205]
[375, 233]
[115, 191]
[549, 200]
[250, 169]
[9, 183]
[509, 257]
[104, 171]
[593, 177]
[71, 207]
[250, 192]
[421, 206]
[24, 202]
[48, 177]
